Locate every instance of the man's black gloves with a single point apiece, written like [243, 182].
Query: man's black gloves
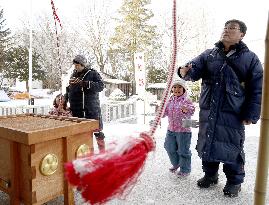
[84, 84]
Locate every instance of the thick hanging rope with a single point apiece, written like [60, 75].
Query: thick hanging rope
[57, 19]
[170, 77]
[111, 174]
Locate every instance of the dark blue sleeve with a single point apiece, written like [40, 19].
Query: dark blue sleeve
[96, 83]
[253, 88]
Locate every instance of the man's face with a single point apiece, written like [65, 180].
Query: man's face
[231, 34]
[78, 67]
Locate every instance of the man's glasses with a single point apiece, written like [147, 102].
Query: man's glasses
[231, 28]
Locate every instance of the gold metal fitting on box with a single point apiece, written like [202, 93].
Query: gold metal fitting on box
[49, 164]
[82, 150]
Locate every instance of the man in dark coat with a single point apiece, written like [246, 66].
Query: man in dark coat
[230, 99]
[83, 95]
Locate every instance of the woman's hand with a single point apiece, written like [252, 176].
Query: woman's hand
[74, 81]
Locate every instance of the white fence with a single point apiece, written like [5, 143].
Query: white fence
[120, 111]
[13, 110]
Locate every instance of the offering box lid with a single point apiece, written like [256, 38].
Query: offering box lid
[32, 129]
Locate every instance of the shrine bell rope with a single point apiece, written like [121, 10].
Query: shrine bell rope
[170, 76]
[57, 19]
[113, 173]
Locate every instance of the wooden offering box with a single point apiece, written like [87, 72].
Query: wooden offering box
[33, 150]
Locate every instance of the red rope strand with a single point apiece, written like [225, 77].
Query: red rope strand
[57, 19]
[169, 78]
[55, 14]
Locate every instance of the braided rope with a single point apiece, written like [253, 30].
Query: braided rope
[169, 78]
[57, 19]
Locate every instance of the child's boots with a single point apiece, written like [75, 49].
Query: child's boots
[100, 141]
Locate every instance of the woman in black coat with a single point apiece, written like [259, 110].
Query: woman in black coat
[230, 98]
[83, 94]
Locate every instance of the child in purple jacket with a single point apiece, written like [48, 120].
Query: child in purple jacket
[178, 138]
[60, 107]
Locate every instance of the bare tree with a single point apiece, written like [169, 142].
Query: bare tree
[55, 56]
[94, 29]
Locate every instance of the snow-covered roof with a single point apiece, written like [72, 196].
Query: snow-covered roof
[157, 86]
[117, 94]
[115, 81]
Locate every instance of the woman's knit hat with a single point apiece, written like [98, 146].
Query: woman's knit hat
[80, 59]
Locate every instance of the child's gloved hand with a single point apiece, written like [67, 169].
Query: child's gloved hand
[195, 123]
[187, 123]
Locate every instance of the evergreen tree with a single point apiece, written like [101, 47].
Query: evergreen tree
[4, 39]
[156, 75]
[133, 34]
[17, 65]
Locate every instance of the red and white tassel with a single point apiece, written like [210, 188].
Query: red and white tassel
[110, 174]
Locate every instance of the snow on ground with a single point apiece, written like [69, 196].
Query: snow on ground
[157, 186]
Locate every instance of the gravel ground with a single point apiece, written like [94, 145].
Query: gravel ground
[157, 186]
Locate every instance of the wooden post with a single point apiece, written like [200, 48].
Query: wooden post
[15, 172]
[68, 191]
[263, 155]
